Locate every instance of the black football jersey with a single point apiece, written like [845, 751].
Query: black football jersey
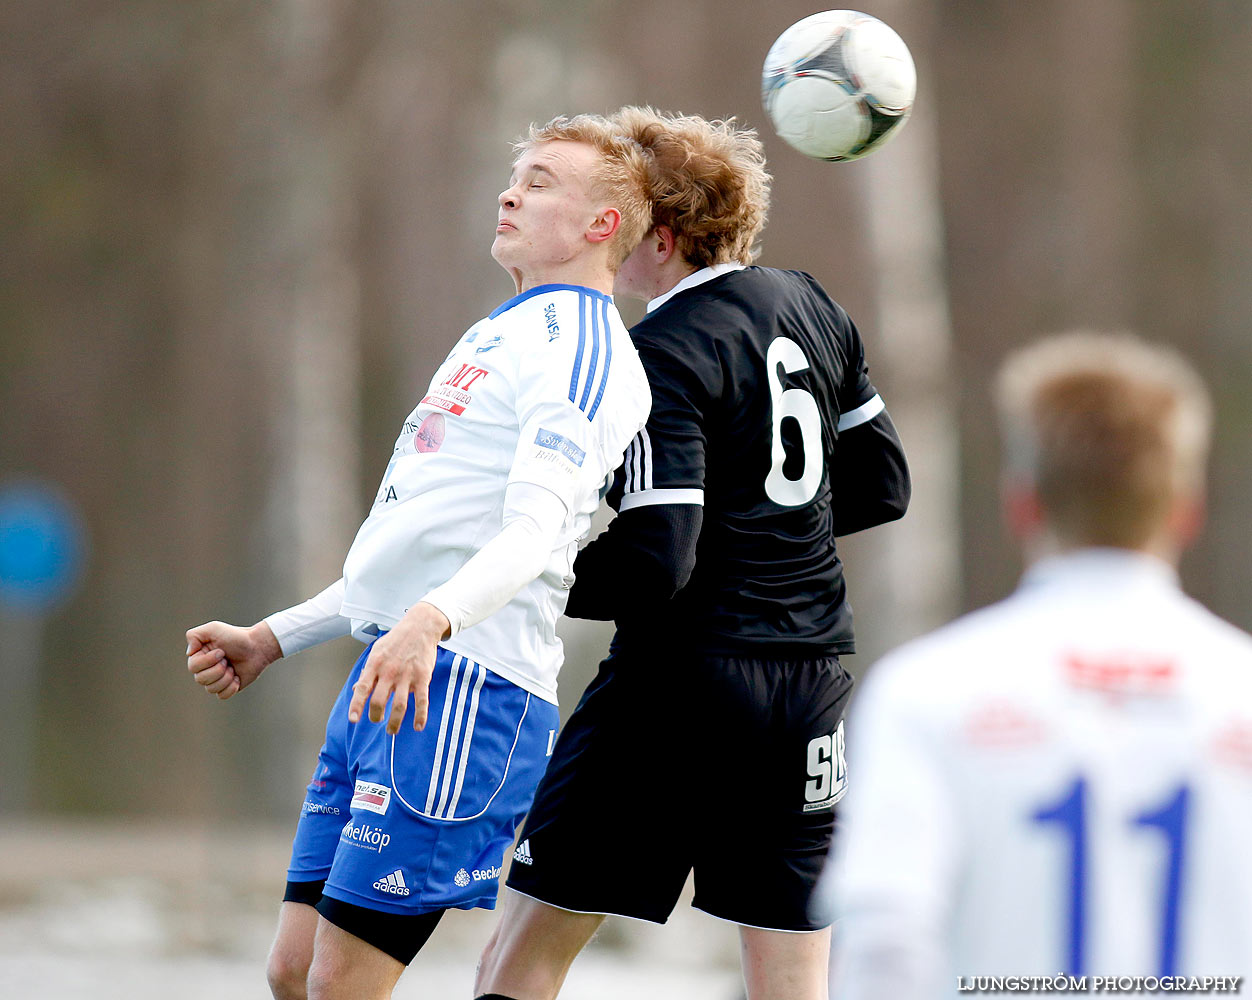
[754, 375]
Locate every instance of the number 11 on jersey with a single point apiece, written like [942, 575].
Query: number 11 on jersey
[1070, 813]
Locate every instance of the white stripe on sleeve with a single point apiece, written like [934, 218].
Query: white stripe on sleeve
[863, 414]
[647, 459]
[649, 498]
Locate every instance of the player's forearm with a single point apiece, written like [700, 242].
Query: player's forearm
[315, 621]
[507, 563]
[644, 557]
[875, 486]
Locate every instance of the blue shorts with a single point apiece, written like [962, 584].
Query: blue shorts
[420, 821]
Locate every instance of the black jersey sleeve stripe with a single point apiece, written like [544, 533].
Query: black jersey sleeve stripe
[649, 498]
[636, 460]
[628, 465]
[645, 462]
[638, 464]
[863, 414]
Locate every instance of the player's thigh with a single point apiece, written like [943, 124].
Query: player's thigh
[780, 777]
[604, 834]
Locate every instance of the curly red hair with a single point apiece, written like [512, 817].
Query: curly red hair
[709, 182]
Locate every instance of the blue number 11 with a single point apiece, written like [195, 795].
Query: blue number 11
[1070, 814]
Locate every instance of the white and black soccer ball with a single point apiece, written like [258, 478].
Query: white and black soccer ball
[839, 84]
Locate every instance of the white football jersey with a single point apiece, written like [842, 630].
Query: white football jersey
[1059, 783]
[546, 390]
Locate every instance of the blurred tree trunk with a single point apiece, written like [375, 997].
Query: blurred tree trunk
[312, 507]
[910, 573]
[272, 226]
[1194, 154]
[1039, 185]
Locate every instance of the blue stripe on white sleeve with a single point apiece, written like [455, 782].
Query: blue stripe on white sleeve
[595, 354]
[608, 357]
[578, 356]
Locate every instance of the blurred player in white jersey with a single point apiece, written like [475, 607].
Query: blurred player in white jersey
[1062, 782]
[456, 579]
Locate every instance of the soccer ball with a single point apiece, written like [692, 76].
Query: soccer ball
[837, 85]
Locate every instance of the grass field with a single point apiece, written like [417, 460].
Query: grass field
[142, 911]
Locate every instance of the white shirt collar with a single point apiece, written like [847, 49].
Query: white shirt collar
[1103, 568]
[698, 278]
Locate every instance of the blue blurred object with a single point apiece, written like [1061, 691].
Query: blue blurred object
[42, 542]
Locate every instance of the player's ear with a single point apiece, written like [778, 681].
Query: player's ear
[1023, 510]
[604, 225]
[1186, 517]
[662, 242]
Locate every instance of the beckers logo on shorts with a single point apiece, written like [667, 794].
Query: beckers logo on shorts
[371, 797]
[372, 838]
[393, 884]
[461, 878]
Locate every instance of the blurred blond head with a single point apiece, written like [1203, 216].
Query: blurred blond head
[710, 185]
[1110, 435]
[624, 178]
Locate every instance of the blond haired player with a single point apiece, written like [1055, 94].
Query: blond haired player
[1062, 782]
[457, 578]
[710, 742]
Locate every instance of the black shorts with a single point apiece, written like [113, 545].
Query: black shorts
[674, 762]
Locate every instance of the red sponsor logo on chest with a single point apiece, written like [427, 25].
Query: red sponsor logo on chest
[1124, 673]
[453, 393]
[1003, 724]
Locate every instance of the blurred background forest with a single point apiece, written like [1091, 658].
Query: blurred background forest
[238, 236]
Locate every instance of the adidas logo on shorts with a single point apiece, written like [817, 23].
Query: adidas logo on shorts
[522, 853]
[393, 884]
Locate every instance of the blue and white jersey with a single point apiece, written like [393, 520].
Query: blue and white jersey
[1060, 783]
[546, 390]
